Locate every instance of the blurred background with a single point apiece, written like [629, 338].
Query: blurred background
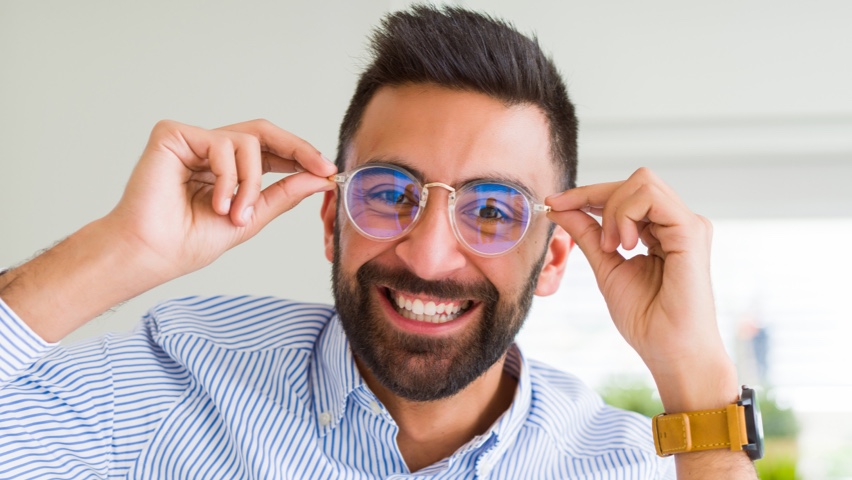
[742, 106]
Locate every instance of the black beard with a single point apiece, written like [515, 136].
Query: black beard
[419, 368]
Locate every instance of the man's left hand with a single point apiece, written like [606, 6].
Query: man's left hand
[661, 302]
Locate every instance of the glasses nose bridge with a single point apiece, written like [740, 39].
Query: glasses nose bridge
[451, 202]
[424, 197]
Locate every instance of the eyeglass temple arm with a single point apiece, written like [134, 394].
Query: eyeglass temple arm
[537, 207]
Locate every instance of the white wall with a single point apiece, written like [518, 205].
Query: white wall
[84, 82]
[743, 106]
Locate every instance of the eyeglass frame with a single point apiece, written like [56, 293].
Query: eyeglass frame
[343, 181]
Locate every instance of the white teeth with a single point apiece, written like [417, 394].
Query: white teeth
[417, 307]
[429, 311]
[426, 318]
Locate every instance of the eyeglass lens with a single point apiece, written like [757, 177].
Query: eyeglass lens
[490, 218]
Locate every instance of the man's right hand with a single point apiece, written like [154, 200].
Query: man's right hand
[193, 195]
[180, 207]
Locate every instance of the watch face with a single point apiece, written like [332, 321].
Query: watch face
[754, 424]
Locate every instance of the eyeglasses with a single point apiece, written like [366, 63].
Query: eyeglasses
[384, 202]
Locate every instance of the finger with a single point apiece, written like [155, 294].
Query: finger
[650, 203]
[628, 234]
[586, 233]
[272, 163]
[616, 230]
[650, 240]
[692, 234]
[249, 170]
[199, 151]
[610, 198]
[596, 211]
[583, 198]
[597, 200]
[220, 156]
[631, 215]
[286, 193]
[646, 235]
[662, 220]
[287, 145]
[187, 143]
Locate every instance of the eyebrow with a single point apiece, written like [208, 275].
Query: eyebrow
[496, 177]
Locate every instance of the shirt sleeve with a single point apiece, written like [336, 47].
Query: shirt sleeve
[667, 468]
[19, 345]
[84, 411]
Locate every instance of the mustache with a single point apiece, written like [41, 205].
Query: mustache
[402, 279]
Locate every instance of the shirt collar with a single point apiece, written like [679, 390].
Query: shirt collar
[507, 427]
[334, 376]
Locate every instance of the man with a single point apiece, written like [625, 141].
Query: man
[439, 233]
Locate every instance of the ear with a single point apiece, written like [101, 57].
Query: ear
[328, 213]
[554, 262]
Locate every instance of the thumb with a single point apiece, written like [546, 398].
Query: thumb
[286, 193]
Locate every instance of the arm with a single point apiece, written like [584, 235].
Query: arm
[662, 302]
[77, 412]
[73, 412]
[178, 214]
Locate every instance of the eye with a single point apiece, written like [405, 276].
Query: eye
[487, 210]
[490, 212]
[391, 196]
[493, 204]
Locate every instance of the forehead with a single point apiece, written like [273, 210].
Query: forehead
[454, 136]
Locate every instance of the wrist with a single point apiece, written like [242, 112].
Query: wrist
[142, 266]
[698, 385]
[78, 279]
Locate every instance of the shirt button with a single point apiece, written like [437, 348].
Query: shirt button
[324, 419]
[375, 407]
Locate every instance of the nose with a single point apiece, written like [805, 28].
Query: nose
[430, 250]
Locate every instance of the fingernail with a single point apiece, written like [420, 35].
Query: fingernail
[298, 168]
[326, 159]
[247, 213]
[603, 238]
[554, 196]
[227, 205]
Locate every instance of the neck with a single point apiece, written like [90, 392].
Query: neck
[432, 431]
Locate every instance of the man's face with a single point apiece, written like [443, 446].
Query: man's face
[451, 137]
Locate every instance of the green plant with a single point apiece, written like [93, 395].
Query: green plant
[632, 394]
[776, 468]
[778, 422]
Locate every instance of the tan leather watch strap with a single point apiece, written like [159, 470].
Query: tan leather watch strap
[702, 430]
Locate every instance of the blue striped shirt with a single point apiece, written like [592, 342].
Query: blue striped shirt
[258, 387]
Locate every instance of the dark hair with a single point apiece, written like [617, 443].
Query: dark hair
[464, 50]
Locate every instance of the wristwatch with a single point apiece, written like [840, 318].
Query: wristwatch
[736, 427]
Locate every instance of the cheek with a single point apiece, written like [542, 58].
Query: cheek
[538, 239]
[516, 266]
[356, 250]
[508, 273]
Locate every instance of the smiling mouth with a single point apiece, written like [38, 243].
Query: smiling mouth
[426, 309]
